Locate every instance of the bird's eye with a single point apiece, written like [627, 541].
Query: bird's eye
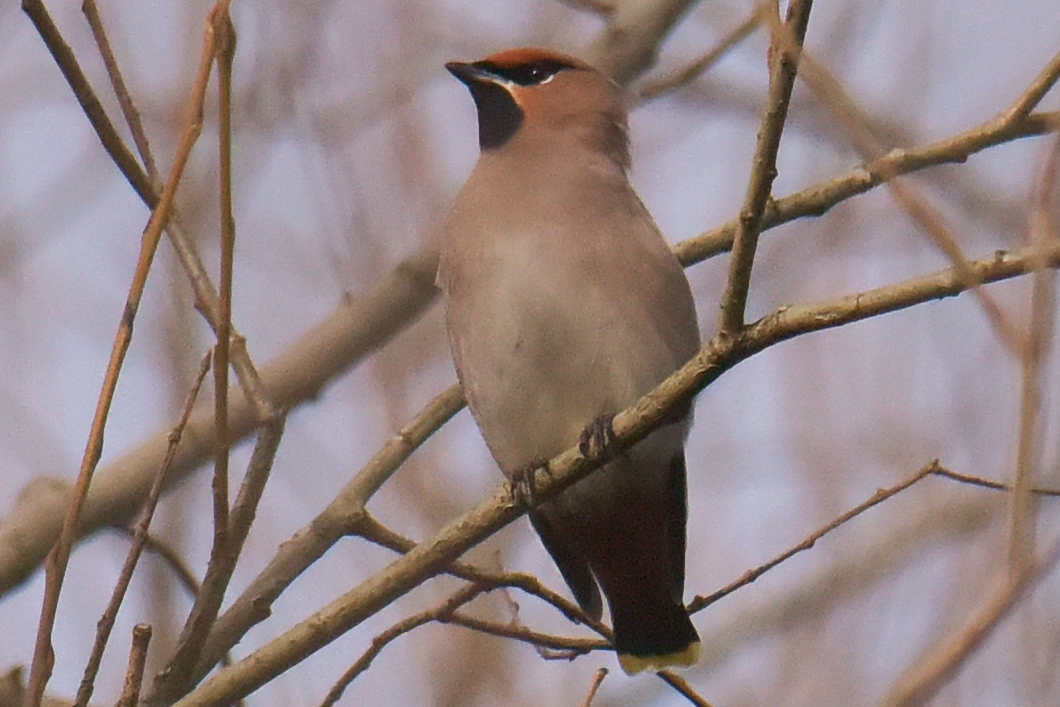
[534, 74]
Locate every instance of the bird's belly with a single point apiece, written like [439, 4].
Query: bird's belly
[540, 362]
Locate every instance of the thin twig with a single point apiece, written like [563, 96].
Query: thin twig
[90, 104]
[343, 515]
[783, 67]
[458, 599]
[128, 108]
[134, 675]
[43, 655]
[106, 622]
[180, 672]
[682, 687]
[988, 484]
[224, 38]
[1021, 108]
[171, 559]
[701, 602]
[550, 646]
[598, 680]
[223, 554]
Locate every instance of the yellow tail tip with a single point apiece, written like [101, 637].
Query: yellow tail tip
[633, 664]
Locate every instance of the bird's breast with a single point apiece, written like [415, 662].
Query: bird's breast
[542, 346]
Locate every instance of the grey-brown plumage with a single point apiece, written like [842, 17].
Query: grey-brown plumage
[565, 304]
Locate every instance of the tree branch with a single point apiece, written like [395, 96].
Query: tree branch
[630, 426]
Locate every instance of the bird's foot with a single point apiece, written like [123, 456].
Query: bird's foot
[597, 439]
[523, 483]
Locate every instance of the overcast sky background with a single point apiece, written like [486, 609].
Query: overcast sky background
[350, 138]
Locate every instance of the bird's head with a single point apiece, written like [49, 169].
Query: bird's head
[536, 94]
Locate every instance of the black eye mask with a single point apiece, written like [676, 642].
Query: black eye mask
[530, 74]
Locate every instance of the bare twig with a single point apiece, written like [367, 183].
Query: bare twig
[853, 569]
[682, 687]
[550, 646]
[342, 516]
[701, 602]
[598, 680]
[43, 656]
[180, 671]
[220, 38]
[783, 67]
[90, 104]
[106, 623]
[128, 108]
[1021, 108]
[460, 598]
[171, 559]
[134, 676]
[992, 485]
[817, 199]
[223, 38]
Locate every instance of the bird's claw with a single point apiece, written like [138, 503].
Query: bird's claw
[597, 439]
[523, 483]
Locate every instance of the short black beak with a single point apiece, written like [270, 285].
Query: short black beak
[469, 74]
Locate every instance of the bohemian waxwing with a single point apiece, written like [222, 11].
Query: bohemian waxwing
[565, 305]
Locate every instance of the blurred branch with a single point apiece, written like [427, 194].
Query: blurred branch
[629, 42]
[630, 426]
[1023, 502]
[699, 66]
[931, 671]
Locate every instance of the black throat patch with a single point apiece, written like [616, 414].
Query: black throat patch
[499, 116]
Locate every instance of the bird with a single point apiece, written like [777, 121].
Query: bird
[564, 305]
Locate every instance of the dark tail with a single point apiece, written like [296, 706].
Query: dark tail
[654, 637]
